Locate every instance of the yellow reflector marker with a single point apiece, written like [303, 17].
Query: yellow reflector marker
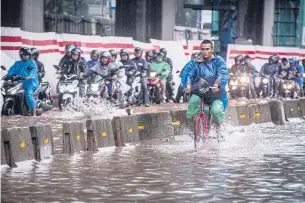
[291, 109]
[78, 137]
[176, 122]
[242, 115]
[46, 141]
[257, 114]
[130, 130]
[140, 127]
[22, 144]
[104, 133]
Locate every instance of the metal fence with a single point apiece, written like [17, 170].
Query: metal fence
[78, 25]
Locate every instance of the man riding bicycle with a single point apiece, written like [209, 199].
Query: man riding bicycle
[214, 70]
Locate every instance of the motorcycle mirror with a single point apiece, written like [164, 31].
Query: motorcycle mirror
[3, 68]
[56, 67]
[177, 71]
[30, 68]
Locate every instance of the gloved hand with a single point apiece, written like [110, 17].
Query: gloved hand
[188, 88]
[27, 78]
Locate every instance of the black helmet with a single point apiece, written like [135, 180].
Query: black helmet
[124, 51]
[94, 53]
[35, 51]
[69, 47]
[113, 52]
[161, 54]
[163, 50]
[276, 57]
[247, 57]
[78, 47]
[201, 87]
[137, 50]
[284, 60]
[25, 51]
[149, 53]
[76, 51]
[239, 58]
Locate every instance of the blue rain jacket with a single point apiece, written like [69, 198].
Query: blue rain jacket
[216, 70]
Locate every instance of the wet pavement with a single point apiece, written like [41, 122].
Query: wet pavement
[257, 163]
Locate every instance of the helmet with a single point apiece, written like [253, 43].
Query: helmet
[35, 51]
[239, 58]
[293, 61]
[138, 49]
[124, 51]
[276, 57]
[161, 54]
[149, 53]
[94, 53]
[69, 47]
[76, 51]
[163, 50]
[201, 87]
[113, 52]
[106, 54]
[24, 51]
[78, 47]
[284, 60]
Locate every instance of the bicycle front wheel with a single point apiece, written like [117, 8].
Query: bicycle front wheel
[200, 129]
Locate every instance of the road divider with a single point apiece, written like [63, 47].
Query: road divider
[73, 137]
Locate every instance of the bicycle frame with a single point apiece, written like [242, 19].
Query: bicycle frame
[204, 120]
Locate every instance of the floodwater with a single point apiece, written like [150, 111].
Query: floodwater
[258, 163]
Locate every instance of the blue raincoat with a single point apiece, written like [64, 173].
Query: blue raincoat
[90, 64]
[20, 69]
[215, 71]
[300, 69]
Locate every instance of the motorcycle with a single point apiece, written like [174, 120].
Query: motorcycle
[44, 95]
[68, 88]
[154, 88]
[287, 88]
[136, 89]
[266, 84]
[14, 101]
[97, 87]
[233, 86]
[243, 83]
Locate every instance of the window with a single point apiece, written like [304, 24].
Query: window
[285, 23]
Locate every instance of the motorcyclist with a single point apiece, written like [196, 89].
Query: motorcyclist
[163, 69]
[130, 68]
[278, 61]
[142, 68]
[74, 66]
[94, 59]
[149, 58]
[300, 69]
[195, 59]
[215, 71]
[289, 72]
[82, 58]
[169, 79]
[155, 52]
[30, 84]
[236, 67]
[272, 69]
[104, 69]
[285, 63]
[67, 57]
[250, 69]
[40, 67]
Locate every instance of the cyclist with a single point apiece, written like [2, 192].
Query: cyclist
[214, 70]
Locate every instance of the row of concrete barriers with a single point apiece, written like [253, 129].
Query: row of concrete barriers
[36, 142]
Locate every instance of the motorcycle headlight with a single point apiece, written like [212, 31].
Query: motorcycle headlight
[61, 90]
[3, 92]
[265, 80]
[234, 88]
[233, 82]
[243, 79]
[303, 75]
[289, 86]
[285, 86]
[94, 87]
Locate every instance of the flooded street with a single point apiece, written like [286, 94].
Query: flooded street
[254, 164]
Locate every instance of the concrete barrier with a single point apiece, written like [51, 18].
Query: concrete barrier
[239, 115]
[42, 140]
[99, 134]
[3, 158]
[277, 112]
[125, 129]
[17, 145]
[292, 108]
[155, 125]
[302, 105]
[181, 124]
[260, 113]
[73, 137]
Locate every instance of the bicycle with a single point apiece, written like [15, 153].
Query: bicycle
[203, 121]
